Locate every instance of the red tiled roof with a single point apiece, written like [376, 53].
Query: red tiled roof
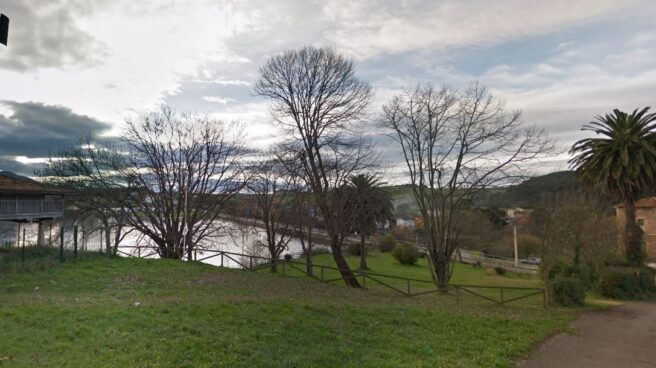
[647, 202]
[12, 183]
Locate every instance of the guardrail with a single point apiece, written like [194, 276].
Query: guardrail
[406, 286]
[11, 208]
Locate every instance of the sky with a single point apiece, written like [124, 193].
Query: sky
[76, 68]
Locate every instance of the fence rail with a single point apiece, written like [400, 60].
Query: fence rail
[30, 207]
[410, 287]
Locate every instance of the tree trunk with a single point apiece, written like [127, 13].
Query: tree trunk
[274, 265]
[108, 235]
[442, 273]
[363, 253]
[344, 269]
[632, 235]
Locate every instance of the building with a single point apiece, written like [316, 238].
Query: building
[646, 218]
[23, 200]
[519, 216]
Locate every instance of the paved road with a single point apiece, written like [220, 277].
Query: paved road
[624, 336]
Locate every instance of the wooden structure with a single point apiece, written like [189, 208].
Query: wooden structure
[23, 200]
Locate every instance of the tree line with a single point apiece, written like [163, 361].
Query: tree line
[171, 176]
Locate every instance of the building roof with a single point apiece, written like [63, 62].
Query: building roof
[647, 202]
[17, 184]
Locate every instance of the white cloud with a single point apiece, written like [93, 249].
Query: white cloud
[369, 28]
[219, 99]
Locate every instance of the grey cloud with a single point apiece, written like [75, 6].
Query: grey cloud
[35, 130]
[47, 35]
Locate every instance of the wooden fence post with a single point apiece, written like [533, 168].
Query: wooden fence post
[23, 251]
[75, 241]
[61, 244]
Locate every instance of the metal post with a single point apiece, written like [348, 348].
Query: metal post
[23, 251]
[408, 285]
[515, 243]
[221, 259]
[250, 265]
[501, 294]
[61, 243]
[75, 241]
[321, 273]
[138, 252]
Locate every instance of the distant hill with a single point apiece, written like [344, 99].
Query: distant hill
[530, 192]
[526, 194]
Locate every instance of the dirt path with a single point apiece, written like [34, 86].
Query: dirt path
[624, 336]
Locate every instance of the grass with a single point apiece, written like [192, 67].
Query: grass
[384, 263]
[83, 314]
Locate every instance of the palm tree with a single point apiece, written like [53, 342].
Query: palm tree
[370, 205]
[623, 162]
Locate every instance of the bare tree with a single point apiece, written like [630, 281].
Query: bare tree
[455, 144]
[575, 229]
[184, 169]
[273, 186]
[93, 170]
[318, 100]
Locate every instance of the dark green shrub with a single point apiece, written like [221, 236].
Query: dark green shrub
[387, 243]
[567, 291]
[405, 254]
[353, 249]
[647, 281]
[622, 283]
[500, 270]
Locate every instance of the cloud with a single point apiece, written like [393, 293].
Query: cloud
[373, 28]
[47, 36]
[33, 131]
[218, 99]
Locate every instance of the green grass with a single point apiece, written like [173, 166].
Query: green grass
[83, 314]
[385, 264]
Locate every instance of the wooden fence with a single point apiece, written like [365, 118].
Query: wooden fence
[406, 286]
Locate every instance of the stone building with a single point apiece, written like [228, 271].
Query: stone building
[646, 218]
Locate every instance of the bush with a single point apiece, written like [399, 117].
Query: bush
[567, 291]
[500, 270]
[387, 243]
[354, 249]
[477, 264]
[405, 254]
[626, 283]
[581, 272]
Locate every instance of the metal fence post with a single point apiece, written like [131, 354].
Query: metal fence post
[23, 251]
[61, 244]
[501, 294]
[408, 285]
[75, 241]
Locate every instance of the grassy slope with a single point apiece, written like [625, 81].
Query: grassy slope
[194, 315]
